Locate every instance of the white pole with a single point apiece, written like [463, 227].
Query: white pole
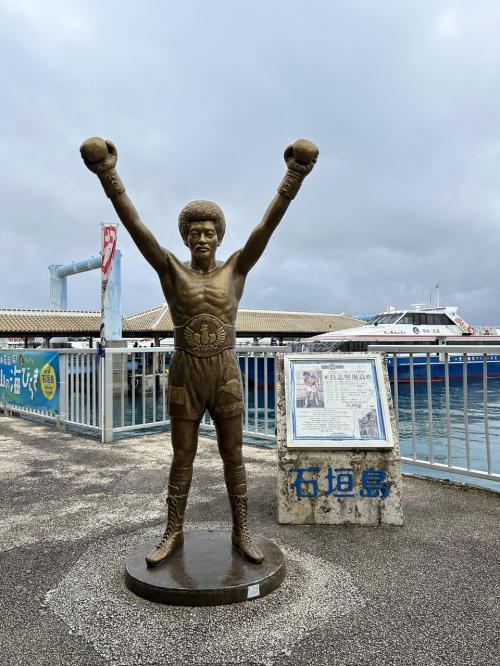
[108, 249]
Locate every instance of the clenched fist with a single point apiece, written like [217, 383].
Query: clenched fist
[99, 155]
[300, 158]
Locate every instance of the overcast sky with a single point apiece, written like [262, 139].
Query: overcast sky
[201, 98]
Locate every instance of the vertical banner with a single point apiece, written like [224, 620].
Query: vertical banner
[108, 250]
[30, 379]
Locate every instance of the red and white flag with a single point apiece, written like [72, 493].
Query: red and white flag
[109, 233]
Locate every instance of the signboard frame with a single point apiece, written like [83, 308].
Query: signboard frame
[378, 371]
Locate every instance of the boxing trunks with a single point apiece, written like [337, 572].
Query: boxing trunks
[204, 373]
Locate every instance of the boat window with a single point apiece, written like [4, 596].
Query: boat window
[426, 319]
[386, 319]
[415, 318]
[420, 318]
[439, 320]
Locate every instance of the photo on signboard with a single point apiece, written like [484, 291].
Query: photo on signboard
[369, 424]
[309, 388]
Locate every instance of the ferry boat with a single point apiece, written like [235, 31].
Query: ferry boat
[418, 325]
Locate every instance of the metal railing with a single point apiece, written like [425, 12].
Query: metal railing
[447, 406]
[135, 390]
[136, 395]
[125, 391]
[446, 403]
[81, 377]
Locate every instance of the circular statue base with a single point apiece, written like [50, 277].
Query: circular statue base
[206, 571]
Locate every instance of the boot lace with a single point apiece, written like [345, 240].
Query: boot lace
[173, 517]
[241, 507]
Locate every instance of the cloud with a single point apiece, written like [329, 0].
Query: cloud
[202, 98]
[449, 25]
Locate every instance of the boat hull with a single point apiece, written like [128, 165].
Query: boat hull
[475, 366]
[437, 369]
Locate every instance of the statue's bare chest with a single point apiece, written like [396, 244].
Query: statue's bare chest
[190, 293]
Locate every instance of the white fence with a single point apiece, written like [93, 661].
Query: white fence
[443, 424]
[136, 396]
[125, 391]
[447, 404]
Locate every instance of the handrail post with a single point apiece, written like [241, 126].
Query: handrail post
[63, 392]
[107, 397]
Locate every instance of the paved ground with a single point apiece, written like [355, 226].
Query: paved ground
[72, 508]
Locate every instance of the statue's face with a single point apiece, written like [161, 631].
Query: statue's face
[202, 239]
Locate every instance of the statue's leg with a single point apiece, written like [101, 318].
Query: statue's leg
[184, 443]
[230, 440]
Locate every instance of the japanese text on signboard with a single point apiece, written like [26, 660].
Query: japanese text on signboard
[339, 482]
[30, 379]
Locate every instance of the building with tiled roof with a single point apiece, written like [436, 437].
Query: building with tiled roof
[250, 323]
[157, 323]
[43, 323]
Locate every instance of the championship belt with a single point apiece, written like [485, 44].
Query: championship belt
[204, 335]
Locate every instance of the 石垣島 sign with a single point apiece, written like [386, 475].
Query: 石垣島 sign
[338, 447]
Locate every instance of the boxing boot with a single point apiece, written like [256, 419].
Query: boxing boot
[173, 536]
[237, 492]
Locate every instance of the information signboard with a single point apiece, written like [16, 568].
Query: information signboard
[337, 401]
[30, 379]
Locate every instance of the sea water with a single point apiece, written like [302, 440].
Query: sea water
[431, 431]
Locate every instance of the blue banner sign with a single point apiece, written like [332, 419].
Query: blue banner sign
[30, 379]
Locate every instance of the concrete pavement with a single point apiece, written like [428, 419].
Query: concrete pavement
[72, 508]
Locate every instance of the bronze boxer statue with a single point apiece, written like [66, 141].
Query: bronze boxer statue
[203, 296]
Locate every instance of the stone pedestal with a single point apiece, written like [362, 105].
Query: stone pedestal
[206, 571]
[337, 486]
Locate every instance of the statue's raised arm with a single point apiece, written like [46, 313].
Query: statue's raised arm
[100, 157]
[300, 159]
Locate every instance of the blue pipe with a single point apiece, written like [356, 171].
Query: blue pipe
[79, 266]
